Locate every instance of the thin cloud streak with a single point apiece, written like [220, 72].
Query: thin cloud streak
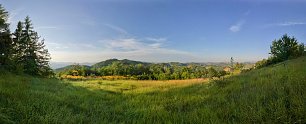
[291, 23]
[46, 27]
[284, 24]
[117, 28]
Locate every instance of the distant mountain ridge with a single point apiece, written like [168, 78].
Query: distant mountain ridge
[101, 64]
[57, 65]
[111, 61]
[68, 67]
[133, 62]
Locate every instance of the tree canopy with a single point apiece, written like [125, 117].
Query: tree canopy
[286, 48]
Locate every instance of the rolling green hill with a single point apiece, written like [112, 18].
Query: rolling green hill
[102, 64]
[274, 94]
[111, 61]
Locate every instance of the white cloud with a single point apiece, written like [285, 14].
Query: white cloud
[124, 44]
[129, 48]
[70, 46]
[156, 39]
[155, 45]
[160, 55]
[133, 44]
[237, 27]
[150, 49]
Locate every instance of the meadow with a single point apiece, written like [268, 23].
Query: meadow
[273, 94]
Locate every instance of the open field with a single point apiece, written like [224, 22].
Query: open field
[136, 86]
[274, 94]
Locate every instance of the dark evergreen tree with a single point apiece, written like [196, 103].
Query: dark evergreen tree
[30, 52]
[19, 47]
[5, 40]
[43, 58]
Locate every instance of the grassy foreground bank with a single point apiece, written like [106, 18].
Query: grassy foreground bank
[275, 94]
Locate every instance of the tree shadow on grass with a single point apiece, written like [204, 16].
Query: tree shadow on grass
[51, 100]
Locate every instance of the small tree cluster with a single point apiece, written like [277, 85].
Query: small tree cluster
[23, 51]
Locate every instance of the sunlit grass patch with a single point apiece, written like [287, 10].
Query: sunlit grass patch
[139, 86]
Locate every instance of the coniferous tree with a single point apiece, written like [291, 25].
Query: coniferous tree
[30, 52]
[30, 39]
[19, 47]
[43, 59]
[5, 39]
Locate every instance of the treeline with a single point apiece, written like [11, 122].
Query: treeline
[22, 51]
[161, 71]
[281, 50]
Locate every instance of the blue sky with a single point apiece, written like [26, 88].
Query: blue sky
[161, 30]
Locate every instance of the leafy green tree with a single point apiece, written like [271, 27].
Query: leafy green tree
[82, 71]
[286, 48]
[212, 72]
[261, 63]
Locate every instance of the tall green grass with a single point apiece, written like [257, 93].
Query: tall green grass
[275, 94]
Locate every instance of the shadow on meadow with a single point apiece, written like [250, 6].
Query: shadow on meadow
[34, 100]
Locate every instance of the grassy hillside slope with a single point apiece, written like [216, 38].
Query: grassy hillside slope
[273, 94]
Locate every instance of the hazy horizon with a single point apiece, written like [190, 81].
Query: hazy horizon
[161, 31]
